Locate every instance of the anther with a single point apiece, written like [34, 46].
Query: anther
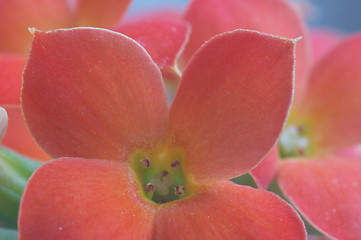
[175, 163]
[179, 190]
[165, 173]
[301, 152]
[149, 187]
[145, 162]
[301, 129]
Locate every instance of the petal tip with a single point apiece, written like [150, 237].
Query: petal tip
[33, 30]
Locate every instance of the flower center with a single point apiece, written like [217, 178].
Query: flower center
[161, 175]
[294, 142]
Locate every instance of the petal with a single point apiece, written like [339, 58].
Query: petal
[11, 70]
[327, 193]
[3, 122]
[323, 40]
[163, 38]
[92, 93]
[276, 17]
[334, 97]
[17, 16]
[231, 103]
[229, 211]
[265, 172]
[18, 137]
[100, 13]
[74, 198]
[353, 152]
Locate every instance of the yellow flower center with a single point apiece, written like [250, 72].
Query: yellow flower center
[161, 175]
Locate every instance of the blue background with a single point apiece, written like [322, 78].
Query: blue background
[344, 15]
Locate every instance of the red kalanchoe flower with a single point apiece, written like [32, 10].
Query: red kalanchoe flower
[130, 167]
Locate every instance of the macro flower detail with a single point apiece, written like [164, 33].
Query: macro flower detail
[130, 166]
[329, 119]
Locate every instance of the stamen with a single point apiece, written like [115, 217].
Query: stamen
[179, 190]
[175, 163]
[149, 187]
[145, 162]
[301, 129]
[165, 173]
[301, 152]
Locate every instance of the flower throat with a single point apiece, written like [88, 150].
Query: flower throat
[161, 175]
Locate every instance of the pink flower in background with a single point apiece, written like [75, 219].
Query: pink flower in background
[322, 185]
[130, 166]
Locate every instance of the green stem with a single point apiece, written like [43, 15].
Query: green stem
[15, 171]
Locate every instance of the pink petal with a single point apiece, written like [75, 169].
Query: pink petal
[231, 103]
[3, 122]
[77, 199]
[228, 211]
[334, 97]
[93, 93]
[265, 172]
[18, 137]
[16, 16]
[276, 17]
[100, 13]
[11, 70]
[327, 193]
[163, 38]
[323, 40]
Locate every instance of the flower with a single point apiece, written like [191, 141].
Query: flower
[17, 16]
[321, 183]
[127, 165]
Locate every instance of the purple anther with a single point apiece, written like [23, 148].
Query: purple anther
[165, 173]
[179, 190]
[175, 163]
[149, 187]
[301, 129]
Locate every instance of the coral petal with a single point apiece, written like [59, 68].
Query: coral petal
[11, 70]
[327, 193]
[17, 16]
[276, 17]
[228, 211]
[100, 13]
[93, 93]
[265, 172]
[18, 137]
[231, 103]
[163, 38]
[73, 198]
[334, 97]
